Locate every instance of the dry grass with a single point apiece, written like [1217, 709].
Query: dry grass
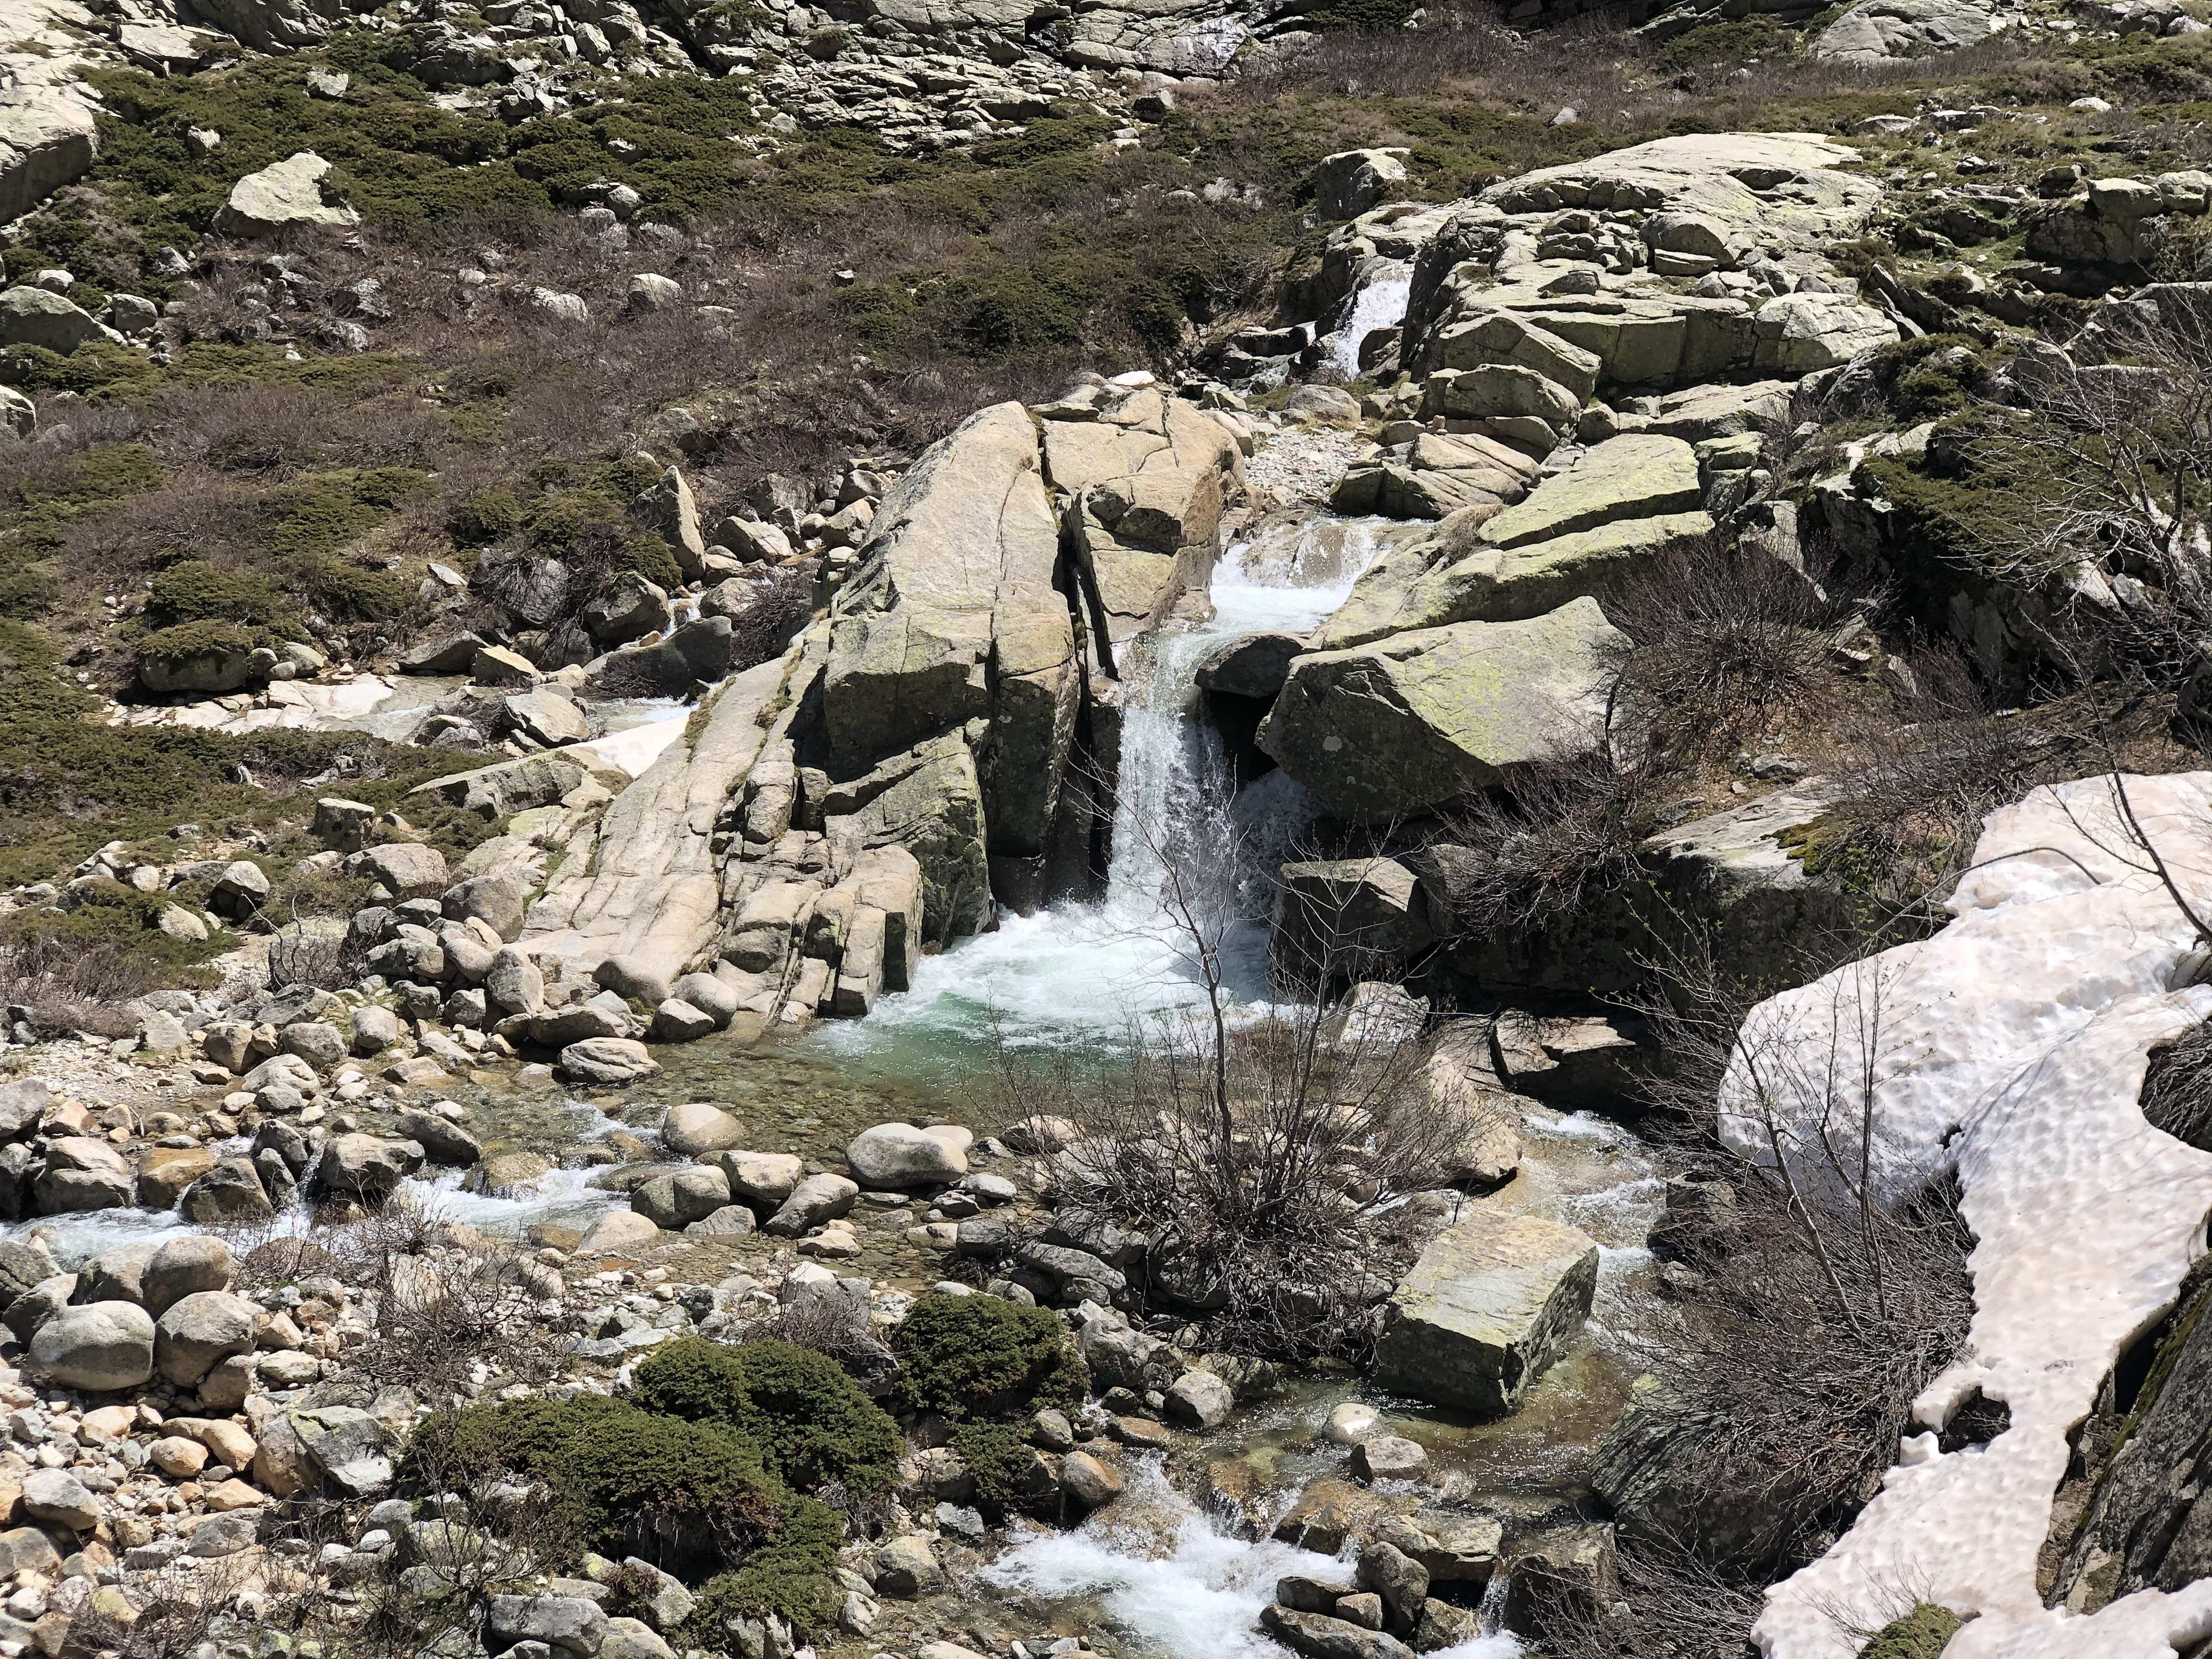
[67, 986]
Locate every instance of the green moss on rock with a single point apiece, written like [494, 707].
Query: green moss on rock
[1923, 1633]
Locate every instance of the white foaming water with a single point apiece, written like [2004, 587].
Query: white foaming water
[1160, 1570]
[1078, 968]
[1379, 303]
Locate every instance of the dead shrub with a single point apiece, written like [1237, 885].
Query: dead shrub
[1261, 1156]
[782, 604]
[68, 986]
[1565, 837]
[2177, 1089]
[1814, 1300]
[1727, 637]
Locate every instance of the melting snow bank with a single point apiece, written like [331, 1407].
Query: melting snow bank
[1160, 1571]
[2012, 1047]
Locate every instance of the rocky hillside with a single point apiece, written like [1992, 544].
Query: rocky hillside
[591, 596]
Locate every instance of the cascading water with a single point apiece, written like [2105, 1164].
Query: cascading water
[1380, 302]
[1155, 1567]
[1078, 969]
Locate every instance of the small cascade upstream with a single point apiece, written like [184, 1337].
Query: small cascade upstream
[1379, 302]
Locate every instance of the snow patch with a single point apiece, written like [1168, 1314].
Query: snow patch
[2011, 1048]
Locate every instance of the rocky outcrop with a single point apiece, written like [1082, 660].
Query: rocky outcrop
[646, 881]
[48, 138]
[1875, 31]
[1391, 729]
[283, 195]
[930, 749]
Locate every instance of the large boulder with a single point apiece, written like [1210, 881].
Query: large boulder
[1492, 1302]
[900, 1155]
[607, 1061]
[280, 196]
[268, 25]
[910, 634]
[184, 1267]
[1436, 579]
[700, 1125]
[99, 1347]
[1340, 918]
[1352, 181]
[1801, 333]
[38, 317]
[83, 1174]
[228, 1194]
[1637, 475]
[1393, 728]
[199, 1330]
[669, 508]
[368, 1167]
[48, 138]
[409, 869]
[1875, 31]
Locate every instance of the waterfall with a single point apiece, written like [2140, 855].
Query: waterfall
[1379, 302]
[1083, 967]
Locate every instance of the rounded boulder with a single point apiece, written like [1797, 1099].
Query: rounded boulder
[99, 1347]
[199, 1332]
[900, 1155]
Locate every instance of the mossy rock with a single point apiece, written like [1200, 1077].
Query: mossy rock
[983, 1356]
[205, 656]
[1923, 1633]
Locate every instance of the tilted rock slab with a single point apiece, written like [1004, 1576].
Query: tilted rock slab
[1492, 1303]
[1392, 728]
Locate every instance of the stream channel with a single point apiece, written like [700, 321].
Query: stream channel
[1152, 1570]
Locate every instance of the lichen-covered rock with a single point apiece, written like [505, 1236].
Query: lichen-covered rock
[1391, 728]
[35, 316]
[48, 138]
[98, 1345]
[282, 195]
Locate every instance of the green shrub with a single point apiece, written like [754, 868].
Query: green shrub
[626, 1477]
[204, 638]
[487, 516]
[1923, 1633]
[1373, 15]
[810, 1420]
[1918, 387]
[995, 1454]
[982, 1356]
[347, 592]
[109, 917]
[1730, 42]
[93, 477]
[692, 1496]
[195, 590]
[652, 558]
